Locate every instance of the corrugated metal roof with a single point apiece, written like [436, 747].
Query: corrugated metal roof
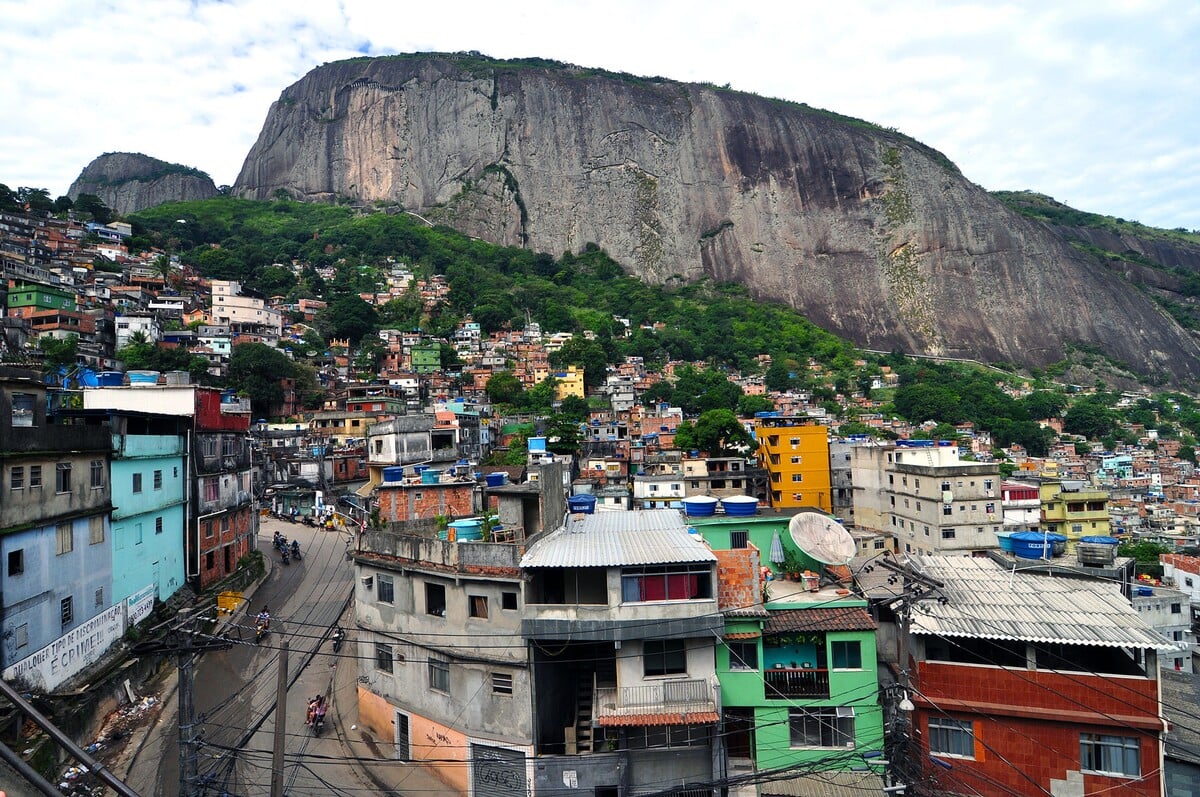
[826, 784]
[613, 539]
[989, 602]
[833, 618]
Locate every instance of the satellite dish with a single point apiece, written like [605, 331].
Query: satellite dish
[822, 538]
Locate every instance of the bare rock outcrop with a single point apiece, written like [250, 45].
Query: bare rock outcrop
[867, 232]
[129, 181]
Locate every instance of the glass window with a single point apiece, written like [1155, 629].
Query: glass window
[66, 611]
[16, 562]
[35, 476]
[743, 655]
[952, 737]
[22, 409]
[137, 482]
[821, 727]
[62, 477]
[478, 606]
[383, 657]
[158, 525]
[16, 477]
[386, 589]
[508, 600]
[665, 583]
[847, 654]
[63, 539]
[1109, 754]
[97, 473]
[664, 657]
[439, 674]
[158, 480]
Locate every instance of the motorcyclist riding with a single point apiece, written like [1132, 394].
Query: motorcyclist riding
[295, 549]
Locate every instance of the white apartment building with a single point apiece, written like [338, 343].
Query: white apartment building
[229, 306]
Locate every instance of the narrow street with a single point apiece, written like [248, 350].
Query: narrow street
[235, 689]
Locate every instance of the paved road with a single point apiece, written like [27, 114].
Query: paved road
[236, 689]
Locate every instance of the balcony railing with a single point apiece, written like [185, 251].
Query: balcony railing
[784, 682]
[683, 697]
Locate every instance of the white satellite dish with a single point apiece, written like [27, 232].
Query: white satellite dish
[822, 538]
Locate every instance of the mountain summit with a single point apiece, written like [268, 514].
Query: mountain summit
[867, 232]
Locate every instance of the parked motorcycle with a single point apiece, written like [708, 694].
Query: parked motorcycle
[338, 636]
[283, 553]
[296, 550]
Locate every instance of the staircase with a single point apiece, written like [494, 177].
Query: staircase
[605, 675]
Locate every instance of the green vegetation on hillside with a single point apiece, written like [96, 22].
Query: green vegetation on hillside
[1045, 208]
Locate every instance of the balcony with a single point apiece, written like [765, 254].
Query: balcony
[788, 682]
[675, 702]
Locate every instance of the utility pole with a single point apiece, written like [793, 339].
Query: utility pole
[280, 722]
[186, 644]
[916, 587]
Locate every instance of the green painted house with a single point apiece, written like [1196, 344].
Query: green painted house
[40, 297]
[797, 666]
[427, 358]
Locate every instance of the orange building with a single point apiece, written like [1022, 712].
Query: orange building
[795, 452]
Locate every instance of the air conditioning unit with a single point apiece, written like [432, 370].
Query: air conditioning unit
[368, 582]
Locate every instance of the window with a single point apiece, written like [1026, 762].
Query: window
[664, 657]
[66, 611]
[478, 606]
[35, 477]
[847, 655]
[208, 446]
[508, 600]
[137, 482]
[229, 446]
[666, 583]
[158, 525]
[951, 737]
[387, 593]
[1114, 755]
[224, 523]
[99, 597]
[948, 534]
[63, 541]
[926, 531]
[62, 477]
[795, 460]
[947, 509]
[95, 529]
[738, 539]
[502, 684]
[22, 409]
[743, 655]
[439, 674]
[22, 635]
[797, 477]
[880, 544]
[987, 484]
[383, 657]
[435, 599]
[158, 480]
[212, 488]
[821, 727]
[16, 562]
[1175, 608]
[97, 473]
[16, 477]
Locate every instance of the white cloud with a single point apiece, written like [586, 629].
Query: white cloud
[1091, 102]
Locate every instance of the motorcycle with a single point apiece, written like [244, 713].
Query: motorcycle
[260, 631]
[318, 722]
[308, 521]
[283, 552]
[338, 636]
[296, 550]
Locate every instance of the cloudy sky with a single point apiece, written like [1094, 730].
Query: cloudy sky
[1095, 102]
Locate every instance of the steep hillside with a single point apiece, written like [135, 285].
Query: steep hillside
[868, 233]
[129, 182]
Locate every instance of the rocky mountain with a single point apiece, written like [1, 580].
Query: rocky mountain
[129, 182]
[867, 232]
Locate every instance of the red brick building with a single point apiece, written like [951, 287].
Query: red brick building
[1025, 683]
[404, 501]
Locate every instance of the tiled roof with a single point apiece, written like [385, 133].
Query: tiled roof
[988, 602]
[826, 618]
[660, 718]
[616, 538]
[741, 635]
[826, 784]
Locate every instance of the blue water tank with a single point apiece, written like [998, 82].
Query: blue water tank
[394, 473]
[110, 378]
[1033, 544]
[431, 476]
[700, 506]
[467, 529]
[496, 479]
[585, 504]
[1101, 540]
[740, 505]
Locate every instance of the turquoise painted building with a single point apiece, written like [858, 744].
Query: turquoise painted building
[797, 665]
[148, 477]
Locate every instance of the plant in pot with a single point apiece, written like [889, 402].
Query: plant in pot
[792, 566]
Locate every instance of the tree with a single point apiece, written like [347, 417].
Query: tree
[1090, 417]
[59, 353]
[348, 317]
[255, 369]
[562, 434]
[94, 206]
[574, 408]
[749, 405]
[586, 354]
[778, 377]
[717, 432]
[504, 388]
[540, 397]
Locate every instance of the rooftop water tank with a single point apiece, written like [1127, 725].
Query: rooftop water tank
[740, 505]
[1097, 551]
[431, 476]
[700, 506]
[1032, 545]
[110, 378]
[582, 504]
[177, 378]
[143, 378]
[394, 473]
[1005, 540]
[496, 479]
[467, 529]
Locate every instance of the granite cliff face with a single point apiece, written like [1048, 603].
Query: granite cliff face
[129, 182]
[868, 233]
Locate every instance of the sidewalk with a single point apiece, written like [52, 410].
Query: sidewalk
[374, 758]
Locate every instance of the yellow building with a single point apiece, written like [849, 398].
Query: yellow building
[568, 383]
[795, 452]
[1074, 509]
